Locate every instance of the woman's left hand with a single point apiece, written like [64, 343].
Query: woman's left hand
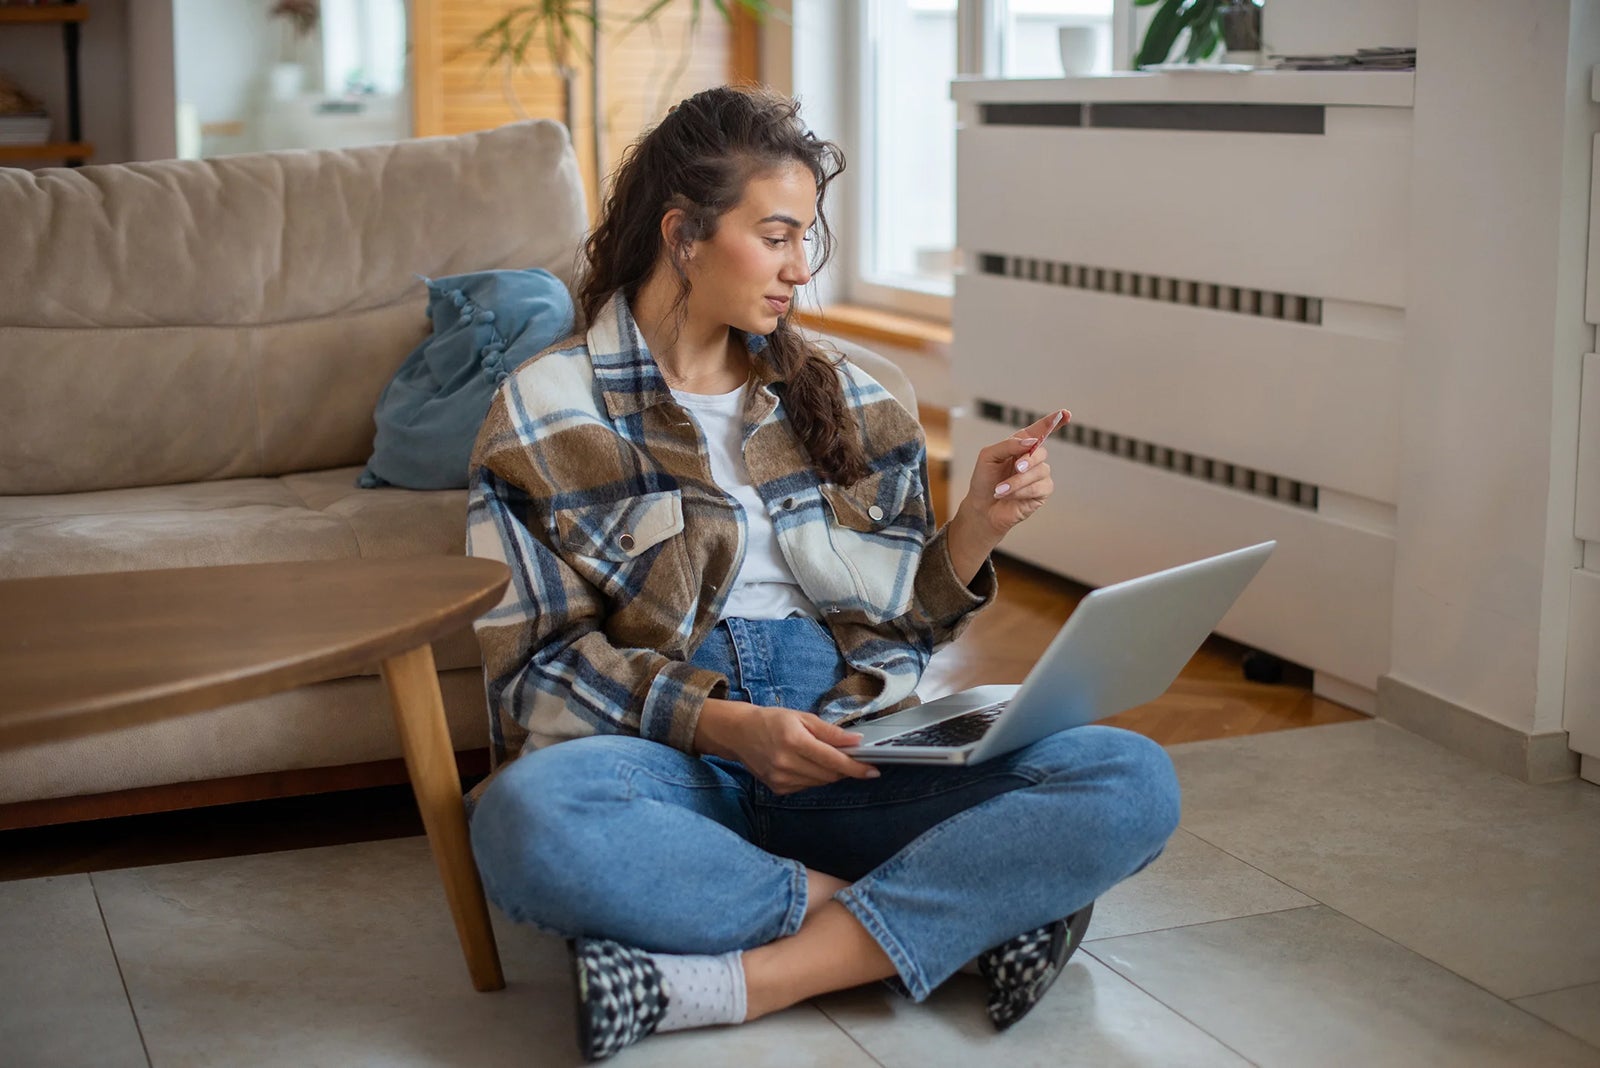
[1008, 485]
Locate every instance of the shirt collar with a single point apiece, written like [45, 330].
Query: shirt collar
[627, 374]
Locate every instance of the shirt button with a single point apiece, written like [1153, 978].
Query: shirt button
[788, 504]
[875, 512]
[626, 541]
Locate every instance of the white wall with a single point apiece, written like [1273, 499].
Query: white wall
[223, 50]
[33, 57]
[1494, 341]
[1315, 27]
[152, 83]
[812, 53]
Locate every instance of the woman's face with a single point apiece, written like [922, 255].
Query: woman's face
[746, 275]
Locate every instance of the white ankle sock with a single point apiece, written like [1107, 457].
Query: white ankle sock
[701, 990]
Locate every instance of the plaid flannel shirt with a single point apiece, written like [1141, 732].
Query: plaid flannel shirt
[594, 486]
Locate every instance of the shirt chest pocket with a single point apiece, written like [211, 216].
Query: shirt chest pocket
[627, 545]
[878, 540]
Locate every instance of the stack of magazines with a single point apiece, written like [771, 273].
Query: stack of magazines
[22, 118]
[1361, 59]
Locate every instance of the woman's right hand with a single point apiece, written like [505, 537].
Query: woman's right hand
[788, 751]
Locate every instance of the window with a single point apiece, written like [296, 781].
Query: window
[893, 112]
[907, 132]
[363, 46]
[1031, 46]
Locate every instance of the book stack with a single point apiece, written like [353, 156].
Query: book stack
[1360, 59]
[22, 118]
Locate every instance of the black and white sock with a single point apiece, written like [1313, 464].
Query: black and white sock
[625, 994]
[1019, 970]
[620, 996]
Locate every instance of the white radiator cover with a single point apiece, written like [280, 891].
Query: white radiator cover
[1309, 392]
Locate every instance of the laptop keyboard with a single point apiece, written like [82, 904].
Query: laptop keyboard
[956, 731]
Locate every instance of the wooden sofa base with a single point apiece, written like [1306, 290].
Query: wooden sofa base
[170, 797]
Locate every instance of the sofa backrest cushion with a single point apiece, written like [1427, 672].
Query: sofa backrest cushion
[187, 320]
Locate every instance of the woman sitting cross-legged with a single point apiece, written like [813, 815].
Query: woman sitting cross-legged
[723, 555]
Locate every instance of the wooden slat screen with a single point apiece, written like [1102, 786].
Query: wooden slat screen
[645, 71]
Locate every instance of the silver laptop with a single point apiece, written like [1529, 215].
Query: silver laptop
[1121, 647]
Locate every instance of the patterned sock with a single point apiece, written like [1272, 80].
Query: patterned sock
[620, 997]
[1020, 970]
[701, 990]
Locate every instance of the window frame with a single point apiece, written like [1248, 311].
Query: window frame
[980, 48]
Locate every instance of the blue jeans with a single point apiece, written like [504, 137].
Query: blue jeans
[629, 839]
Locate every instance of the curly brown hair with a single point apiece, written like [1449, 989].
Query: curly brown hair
[699, 158]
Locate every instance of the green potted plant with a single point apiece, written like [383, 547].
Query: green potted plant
[569, 29]
[1231, 24]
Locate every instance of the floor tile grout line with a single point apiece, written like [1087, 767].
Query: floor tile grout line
[1170, 1008]
[1223, 919]
[127, 995]
[1556, 990]
[1201, 923]
[1557, 1026]
[1253, 867]
[846, 1031]
[1508, 1002]
[1374, 930]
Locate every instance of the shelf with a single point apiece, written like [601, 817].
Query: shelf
[80, 150]
[43, 13]
[1329, 88]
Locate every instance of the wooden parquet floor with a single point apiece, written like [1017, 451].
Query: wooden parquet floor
[1210, 699]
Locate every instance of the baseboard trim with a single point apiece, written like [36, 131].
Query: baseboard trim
[1532, 758]
[1340, 692]
[169, 797]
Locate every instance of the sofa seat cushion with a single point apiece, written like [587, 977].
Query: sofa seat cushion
[387, 523]
[318, 515]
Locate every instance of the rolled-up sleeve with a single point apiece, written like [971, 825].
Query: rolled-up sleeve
[945, 603]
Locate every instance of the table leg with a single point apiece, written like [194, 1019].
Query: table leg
[419, 714]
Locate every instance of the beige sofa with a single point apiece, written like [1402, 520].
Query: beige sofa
[190, 353]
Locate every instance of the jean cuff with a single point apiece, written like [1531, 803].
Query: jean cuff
[862, 910]
[798, 896]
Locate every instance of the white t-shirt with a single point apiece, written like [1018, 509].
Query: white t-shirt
[765, 587]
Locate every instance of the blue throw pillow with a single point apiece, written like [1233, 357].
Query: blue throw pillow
[484, 325]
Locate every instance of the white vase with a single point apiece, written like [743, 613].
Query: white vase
[1078, 47]
[285, 80]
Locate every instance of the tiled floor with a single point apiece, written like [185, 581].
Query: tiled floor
[1343, 895]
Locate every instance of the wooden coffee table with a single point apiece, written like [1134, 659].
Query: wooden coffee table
[83, 654]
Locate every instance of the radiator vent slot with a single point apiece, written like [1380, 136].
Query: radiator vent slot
[1262, 303]
[1216, 118]
[1191, 465]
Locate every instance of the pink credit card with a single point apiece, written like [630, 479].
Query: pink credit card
[1051, 429]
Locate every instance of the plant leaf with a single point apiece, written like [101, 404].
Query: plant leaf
[763, 10]
[649, 13]
[1205, 33]
[1203, 40]
[1161, 33]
